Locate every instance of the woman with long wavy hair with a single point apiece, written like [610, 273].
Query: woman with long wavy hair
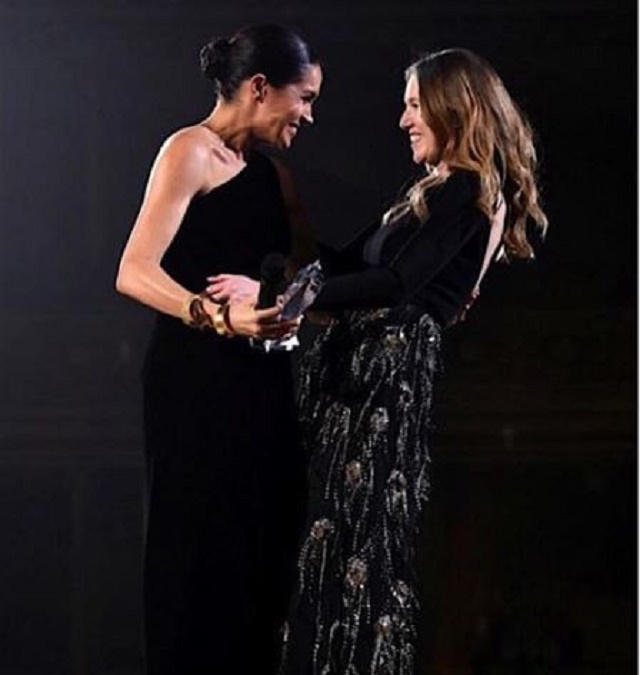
[367, 382]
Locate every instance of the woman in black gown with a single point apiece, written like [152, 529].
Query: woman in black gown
[366, 386]
[224, 469]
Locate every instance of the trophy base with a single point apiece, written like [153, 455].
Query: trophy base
[284, 345]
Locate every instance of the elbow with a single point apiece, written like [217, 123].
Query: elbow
[121, 286]
[125, 279]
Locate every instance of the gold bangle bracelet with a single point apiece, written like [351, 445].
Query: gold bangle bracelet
[185, 311]
[219, 323]
[227, 320]
[195, 315]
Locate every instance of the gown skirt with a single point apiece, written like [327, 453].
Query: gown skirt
[225, 504]
[365, 401]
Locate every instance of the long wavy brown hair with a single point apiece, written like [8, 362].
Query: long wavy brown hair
[478, 127]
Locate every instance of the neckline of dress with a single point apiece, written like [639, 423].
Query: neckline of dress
[230, 180]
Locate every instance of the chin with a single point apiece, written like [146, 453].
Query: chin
[282, 142]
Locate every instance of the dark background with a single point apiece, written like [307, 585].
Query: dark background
[529, 553]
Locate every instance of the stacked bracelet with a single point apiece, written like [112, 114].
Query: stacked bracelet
[185, 310]
[221, 323]
[227, 320]
[195, 315]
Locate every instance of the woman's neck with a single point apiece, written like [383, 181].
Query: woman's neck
[229, 123]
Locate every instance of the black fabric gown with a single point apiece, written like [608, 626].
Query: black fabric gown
[225, 471]
[365, 402]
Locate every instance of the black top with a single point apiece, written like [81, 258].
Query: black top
[231, 228]
[434, 265]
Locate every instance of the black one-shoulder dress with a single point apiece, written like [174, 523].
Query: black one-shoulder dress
[225, 471]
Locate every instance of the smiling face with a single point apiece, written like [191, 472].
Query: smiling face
[283, 110]
[424, 145]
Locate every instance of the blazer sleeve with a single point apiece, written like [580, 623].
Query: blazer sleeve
[453, 219]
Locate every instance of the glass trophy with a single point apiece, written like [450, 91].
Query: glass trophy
[296, 299]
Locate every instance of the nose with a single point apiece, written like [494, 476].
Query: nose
[404, 121]
[307, 115]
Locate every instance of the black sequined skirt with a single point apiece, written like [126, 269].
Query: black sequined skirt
[365, 401]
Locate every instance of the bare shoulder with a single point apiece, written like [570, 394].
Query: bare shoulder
[183, 151]
[188, 144]
[199, 150]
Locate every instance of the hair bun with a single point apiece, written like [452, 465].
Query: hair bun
[214, 58]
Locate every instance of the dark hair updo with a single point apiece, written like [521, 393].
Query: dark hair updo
[275, 51]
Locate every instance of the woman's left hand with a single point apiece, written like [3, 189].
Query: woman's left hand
[232, 288]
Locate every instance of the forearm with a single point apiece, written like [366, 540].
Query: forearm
[372, 288]
[145, 281]
[148, 283]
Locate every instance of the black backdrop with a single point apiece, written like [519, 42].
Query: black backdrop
[529, 550]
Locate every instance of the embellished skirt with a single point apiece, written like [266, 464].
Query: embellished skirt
[365, 403]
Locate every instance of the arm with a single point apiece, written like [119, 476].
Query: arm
[184, 168]
[367, 289]
[177, 175]
[453, 219]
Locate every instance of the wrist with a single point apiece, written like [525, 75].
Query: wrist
[194, 313]
[221, 323]
[226, 318]
[218, 313]
[198, 311]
